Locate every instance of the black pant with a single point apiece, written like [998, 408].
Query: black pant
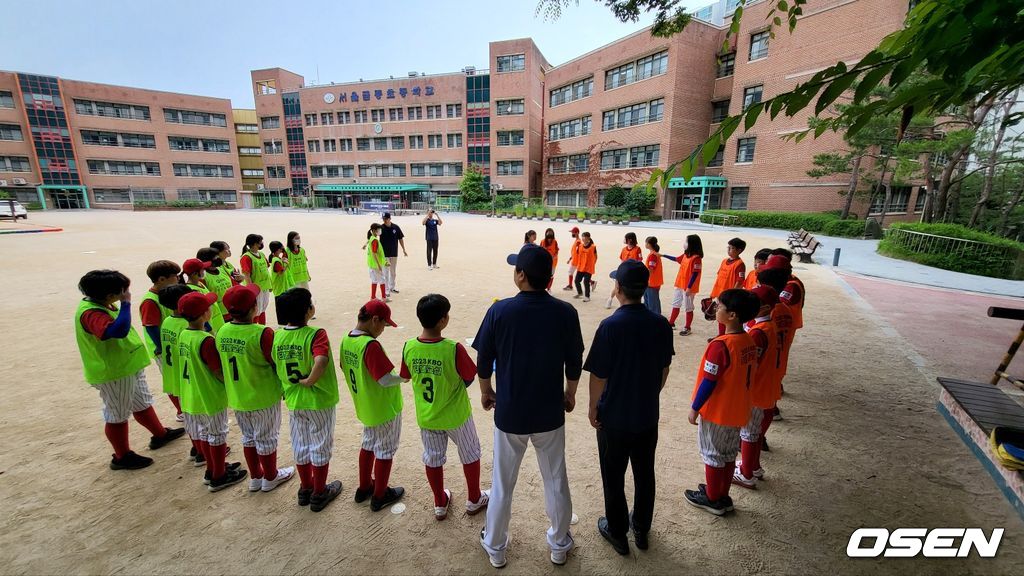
[617, 449]
[583, 277]
[431, 252]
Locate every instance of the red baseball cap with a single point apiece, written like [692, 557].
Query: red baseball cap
[575, 229]
[777, 261]
[195, 304]
[381, 310]
[240, 299]
[766, 294]
[194, 265]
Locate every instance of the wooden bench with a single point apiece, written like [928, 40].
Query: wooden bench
[805, 251]
[799, 235]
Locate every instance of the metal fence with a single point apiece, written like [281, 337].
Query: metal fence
[924, 243]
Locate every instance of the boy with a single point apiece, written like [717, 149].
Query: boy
[765, 387]
[793, 293]
[170, 329]
[195, 272]
[721, 397]
[114, 361]
[759, 259]
[441, 370]
[731, 273]
[777, 273]
[162, 273]
[586, 265]
[203, 398]
[253, 389]
[302, 355]
[378, 403]
[574, 252]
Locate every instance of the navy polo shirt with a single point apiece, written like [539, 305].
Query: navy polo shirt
[431, 229]
[538, 345]
[389, 237]
[631, 348]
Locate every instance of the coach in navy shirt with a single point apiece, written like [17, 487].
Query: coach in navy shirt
[628, 363]
[390, 237]
[432, 221]
[537, 344]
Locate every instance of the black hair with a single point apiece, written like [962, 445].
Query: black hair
[252, 239]
[526, 237]
[431, 309]
[774, 277]
[631, 236]
[632, 294]
[169, 296]
[373, 227]
[549, 237]
[585, 234]
[763, 254]
[744, 303]
[782, 252]
[162, 269]
[291, 240]
[98, 285]
[694, 247]
[275, 246]
[292, 306]
[653, 241]
[538, 281]
[211, 255]
[738, 243]
[219, 245]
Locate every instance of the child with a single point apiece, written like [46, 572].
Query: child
[224, 251]
[203, 398]
[722, 400]
[629, 252]
[195, 273]
[687, 281]
[254, 271]
[793, 294]
[551, 245]
[114, 361]
[216, 280]
[759, 259]
[378, 403]
[441, 370]
[652, 297]
[298, 263]
[305, 368]
[253, 389]
[162, 273]
[765, 388]
[280, 270]
[574, 256]
[530, 237]
[376, 262]
[586, 264]
[170, 329]
[731, 273]
[777, 273]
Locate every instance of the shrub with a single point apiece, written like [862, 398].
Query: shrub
[815, 222]
[33, 206]
[615, 196]
[844, 228]
[581, 215]
[1000, 258]
[518, 210]
[639, 200]
[507, 201]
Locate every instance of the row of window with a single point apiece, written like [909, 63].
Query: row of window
[634, 115]
[510, 168]
[134, 168]
[569, 164]
[635, 157]
[572, 92]
[14, 164]
[124, 196]
[647, 67]
[513, 107]
[512, 63]
[11, 132]
[424, 170]
[193, 117]
[569, 128]
[510, 137]
[249, 151]
[247, 128]
[129, 140]
[140, 112]
[434, 141]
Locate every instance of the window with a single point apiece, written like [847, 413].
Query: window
[416, 142]
[510, 168]
[614, 159]
[512, 63]
[344, 117]
[738, 197]
[148, 194]
[313, 146]
[14, 164]
[221, 195]
[192, 117]
[619, 76]
[6, 99]
[454, 110]
[377, 115]
[248, 151]
[382, 170]
[650, 66]
[726, 64]
[633, 115]
[96, 138]
[719, 111]
[111, 195]
[252, 173]
[361, 117]
[644, 156]
[510, 138]
[455, 140]
[558, 165]
[656, 111]
[327, 118]
[579, 162]
[716, 162]
[270, 122]
[751, 96]
[330, 145]
[396, 114]
[212, 145]
[380, 143]
[362, 144]
[758, 45]
[566, 198]
[247, 128]
[454, 169]
[273, 147]
[203, 171]
[434, 112]
[415, 112]
[398, 142]
[436, 169]
[276, 172]
[418, 169]
[922, 196]
[110, 110]
[123, 168]
[569, 128]
[311, 120]
[572, 92]
[434, 141]
[345, 144]
[511, 107]
[899, 199]
[745, 150]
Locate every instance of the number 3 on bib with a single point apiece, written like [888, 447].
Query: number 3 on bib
[428, 390]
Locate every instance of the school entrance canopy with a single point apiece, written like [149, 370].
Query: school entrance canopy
[694, 196]
[374, 197]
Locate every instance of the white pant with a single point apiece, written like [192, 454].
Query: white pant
[260, 428]
[313, 435]
[124, 396]
[435, 444]
[262, 301]
[382, 439]
[680, 297]
[508, 455]
[391, 272]
[718, 444]
[752, 431]
[211, 428]
[378, 276]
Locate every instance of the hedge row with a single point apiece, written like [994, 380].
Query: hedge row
[995, 264]
[825, 223]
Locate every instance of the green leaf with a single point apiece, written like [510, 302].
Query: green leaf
[871, 80]
[710, 148]
[750, 117]
[777, 21]
[783, 6]
[834, 90]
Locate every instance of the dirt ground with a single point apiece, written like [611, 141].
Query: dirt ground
[861, 444]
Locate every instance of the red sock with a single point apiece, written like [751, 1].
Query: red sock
[435, 477]
[365, 469]
[472, 472]
[176, 401]
[383, 292]
[117, 434]
[252, 461]
[305, 476]
[675, 314]
[570, 280]
[151, 421]
[381, 473]
[769, 415]
[268, 463]
[721, 329]
[711, 475]
[197, 447]
[219, 453]
[751, 452]
[373, 291]
[689, 319]
[320, 478]
[726, 478]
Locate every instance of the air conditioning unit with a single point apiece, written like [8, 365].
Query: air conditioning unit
[3, 182]
[469, 70]
[20, 182]
[413, 74]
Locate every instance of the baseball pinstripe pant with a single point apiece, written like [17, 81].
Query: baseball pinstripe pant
[124, 396]
[382, 439]
[435, 444]
[260, 428]
[508, 455]
[211, 428]
[718, 444]
[752, 431]
[312, 434]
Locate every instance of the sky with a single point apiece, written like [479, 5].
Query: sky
[208, 47]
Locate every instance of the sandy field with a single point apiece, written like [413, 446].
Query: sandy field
[861, 444]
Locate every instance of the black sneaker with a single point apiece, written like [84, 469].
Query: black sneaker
[728, 499]
[229, 478]
[393, 494]
[318, 502]
[363, 495]
[700, 500]
[170, 435]
[685, 332]
[304, 496]
[192, 454]
[199, 459]
[639, 536]
[130, 461]
[620, 544]
[764, 445]
[227, 468]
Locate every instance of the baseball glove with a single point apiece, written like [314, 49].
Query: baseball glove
[709, 307]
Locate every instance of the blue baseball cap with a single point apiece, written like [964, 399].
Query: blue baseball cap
[532, 259]
[631, 274]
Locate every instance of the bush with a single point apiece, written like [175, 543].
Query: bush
[816, 222]
[615, 196]
[639, 200]
[507, 201]
[1005, 263]
[518, 210]
[844, 228]
[33, 206]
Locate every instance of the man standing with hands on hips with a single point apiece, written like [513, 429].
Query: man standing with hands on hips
[536, 344]
[391, 237]
[432, 221]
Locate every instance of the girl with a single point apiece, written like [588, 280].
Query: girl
[254, 271]
[280, 269]
[224, 251]
[215, 279]
[297, 261]
[587, 264]
[376, 262]
[551, 245]
[194, 271]
[687, 280]
[629, 252]
[652, 297]
[530, 237]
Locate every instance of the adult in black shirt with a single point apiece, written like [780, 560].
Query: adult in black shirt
[391, 237]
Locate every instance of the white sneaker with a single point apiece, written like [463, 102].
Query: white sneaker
[759, 473]
[283, 475]
[441, 512]
[255, 484]
[436, 266]
[474, 508]
[740, 480]
[497, 560]
[587, 299]
[560, 557]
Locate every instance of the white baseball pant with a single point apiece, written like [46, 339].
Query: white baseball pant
[312, 434]
[124, 396]
[681, 297]
[260, 428]
[508, 455]
[752, 431]
[435, 444]
[377, 276]
[391, 273]
[262, 301]
[382, 439]
[718, 444]
[210, 428]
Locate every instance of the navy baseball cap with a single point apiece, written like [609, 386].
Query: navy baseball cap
[631, 274]
[532, 259]
[387, 216]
